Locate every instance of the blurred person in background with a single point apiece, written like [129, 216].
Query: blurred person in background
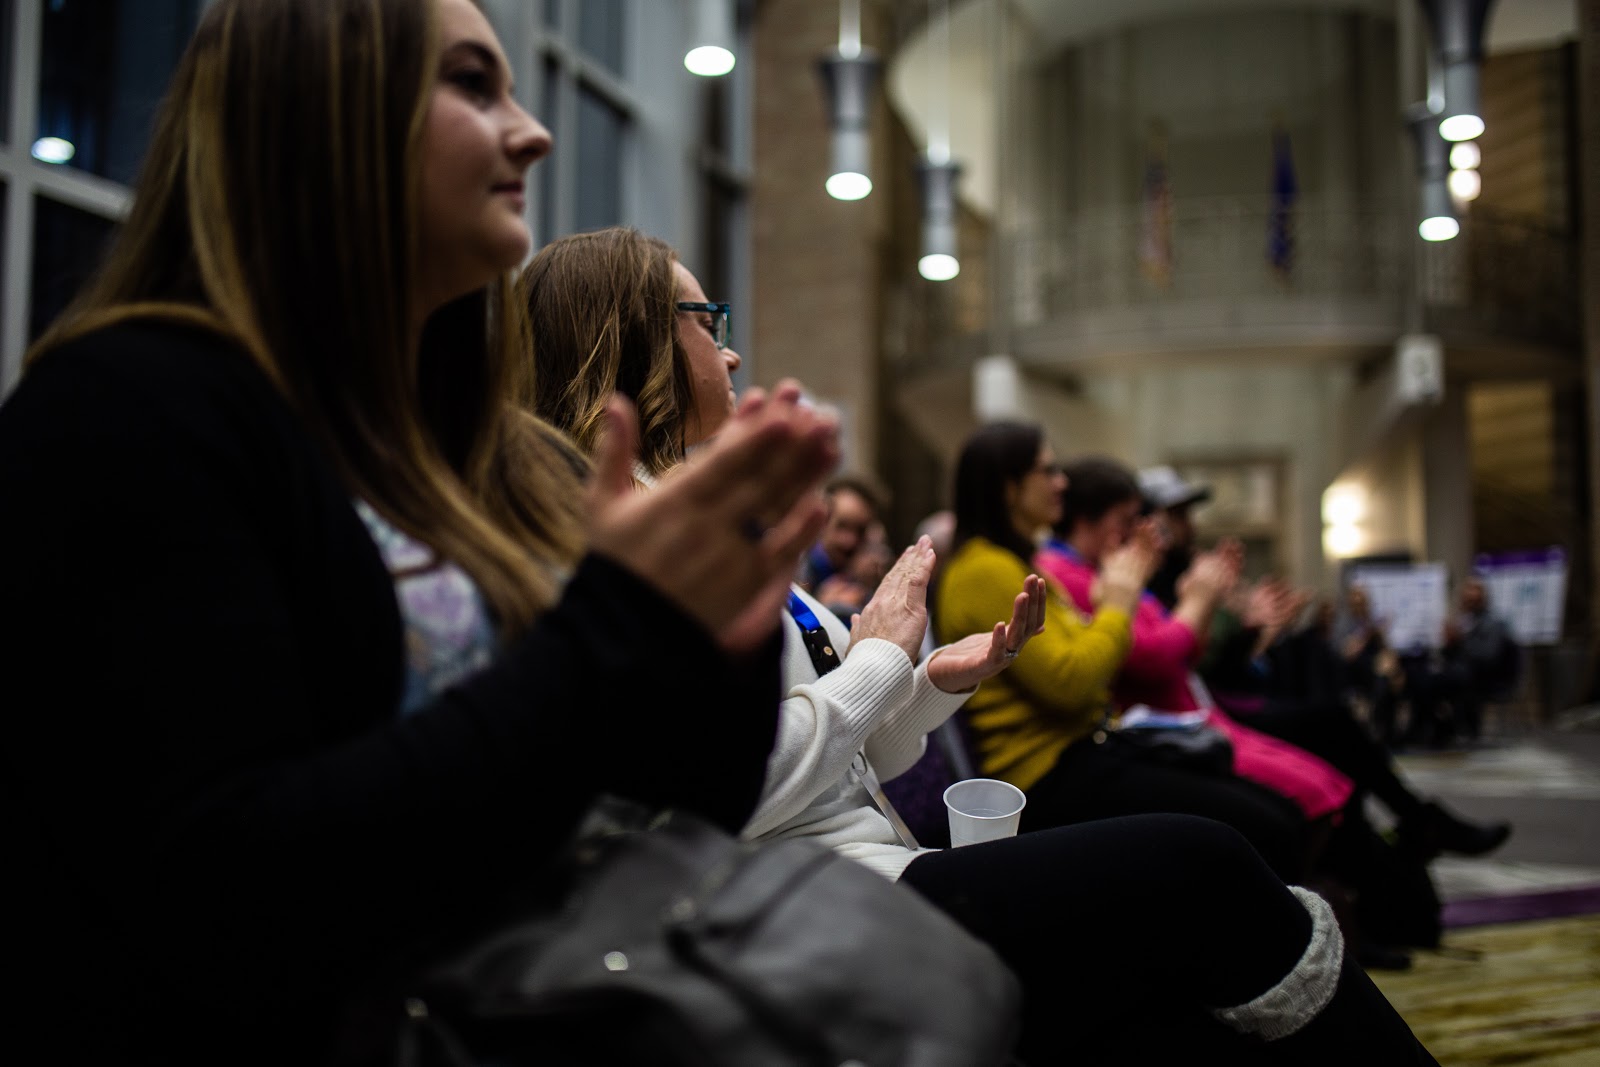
[854, 508]
[1173, 500]
[1479, 661]
[1373, 674]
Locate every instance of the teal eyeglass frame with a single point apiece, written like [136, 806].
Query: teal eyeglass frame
[721, 315]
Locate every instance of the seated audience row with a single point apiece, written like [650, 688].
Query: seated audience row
[371, 642]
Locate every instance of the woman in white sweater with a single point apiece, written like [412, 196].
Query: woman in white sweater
[868, 720]
[1137, 938]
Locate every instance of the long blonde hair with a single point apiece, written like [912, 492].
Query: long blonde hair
[278, 206]
[602, 319]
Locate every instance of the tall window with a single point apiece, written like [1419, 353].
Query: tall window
[80, 81]
[723, 161]
[591, 108]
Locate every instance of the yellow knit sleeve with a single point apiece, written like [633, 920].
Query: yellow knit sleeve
[1065, 670]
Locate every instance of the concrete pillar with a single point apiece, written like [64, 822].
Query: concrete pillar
[1589, 183]
[1446, 449]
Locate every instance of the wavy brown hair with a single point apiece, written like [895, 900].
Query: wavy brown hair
[278, 207]
[602, 320]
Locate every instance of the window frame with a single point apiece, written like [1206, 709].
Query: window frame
[26, 178]
[558, 62]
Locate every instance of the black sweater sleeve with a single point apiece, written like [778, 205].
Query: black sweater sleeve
[200, 655]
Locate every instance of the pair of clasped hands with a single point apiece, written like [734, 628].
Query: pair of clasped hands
[721, 535]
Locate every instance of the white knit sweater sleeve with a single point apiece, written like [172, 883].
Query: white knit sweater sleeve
[823, 722]
[902, 734]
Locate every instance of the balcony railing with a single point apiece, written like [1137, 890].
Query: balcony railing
[1504, 276]
[1221, 249]
[1092, 285]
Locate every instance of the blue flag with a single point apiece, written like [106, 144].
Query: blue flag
[1280, 220]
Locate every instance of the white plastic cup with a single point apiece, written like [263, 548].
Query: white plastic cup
[983, 809]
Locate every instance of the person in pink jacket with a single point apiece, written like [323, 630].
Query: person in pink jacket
[1101, 506]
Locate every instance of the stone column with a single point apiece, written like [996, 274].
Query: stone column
[1589, 183]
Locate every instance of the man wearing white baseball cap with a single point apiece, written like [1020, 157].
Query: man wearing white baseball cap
[1166, 492]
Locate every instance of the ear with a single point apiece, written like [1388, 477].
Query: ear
[1013, 490]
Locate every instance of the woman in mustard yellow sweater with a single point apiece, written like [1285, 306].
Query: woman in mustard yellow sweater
[1037, 724]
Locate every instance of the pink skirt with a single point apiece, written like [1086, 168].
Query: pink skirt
[1293, 772]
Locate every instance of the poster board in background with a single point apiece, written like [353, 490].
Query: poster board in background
[1528, 590]
[1409, 600]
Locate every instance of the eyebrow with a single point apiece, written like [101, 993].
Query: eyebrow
[484, 53]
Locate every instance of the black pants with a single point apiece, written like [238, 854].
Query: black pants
[1446, 701]
[1124, 932]
[1101, 781]
[1328, 730]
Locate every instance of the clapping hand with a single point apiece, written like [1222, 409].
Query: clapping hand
[961, 666]
[898, 611]
[1124, 572]
[1213, 574]
[722, 536]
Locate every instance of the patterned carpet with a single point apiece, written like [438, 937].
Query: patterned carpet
[1516, 993]
[1518, 979]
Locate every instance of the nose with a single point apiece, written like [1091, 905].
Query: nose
[527, 141]
[733, 359]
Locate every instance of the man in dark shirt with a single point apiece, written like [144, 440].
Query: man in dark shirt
[1480, 661]
[1166, 493]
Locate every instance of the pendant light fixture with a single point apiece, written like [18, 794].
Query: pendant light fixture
[1438, 215]
[937, 172]
[710, 52]
[850, 76]
[1457, 31]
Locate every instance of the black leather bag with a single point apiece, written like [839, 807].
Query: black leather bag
[1200, 747]
[681, 945]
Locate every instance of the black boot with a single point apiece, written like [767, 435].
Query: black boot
[1433, 829]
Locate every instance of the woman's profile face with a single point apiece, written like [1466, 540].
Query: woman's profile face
[710, 368]
[477, 145]
[1035, 498]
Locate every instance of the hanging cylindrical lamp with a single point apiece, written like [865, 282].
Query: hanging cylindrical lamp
[936, 172]
[1457, 27]
[939, 262]
[850, 75]
[1438, 214]
[710, 52]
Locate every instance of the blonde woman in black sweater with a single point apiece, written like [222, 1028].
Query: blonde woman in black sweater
[289, 641]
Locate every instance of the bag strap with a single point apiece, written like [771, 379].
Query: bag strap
[825, 659]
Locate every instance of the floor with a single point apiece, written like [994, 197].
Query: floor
[1517, 980]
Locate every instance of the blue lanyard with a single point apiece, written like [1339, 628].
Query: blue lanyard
[818, 645]
[825, 659]
[802, 613]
